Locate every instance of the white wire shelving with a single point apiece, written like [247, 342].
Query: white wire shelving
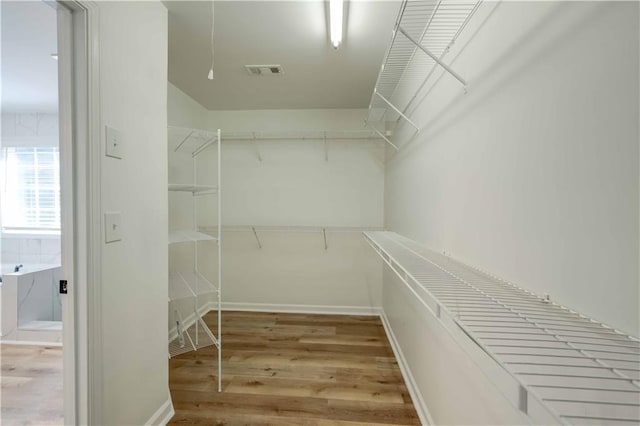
[560, 366]
[194, 189]
[325, 136]
[321, 231]
[423, 34]
[184, 236]
[194, 334]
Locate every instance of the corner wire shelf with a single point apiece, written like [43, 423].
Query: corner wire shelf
[192, 140]
[560, 366]
[192, 284]
[423, 34]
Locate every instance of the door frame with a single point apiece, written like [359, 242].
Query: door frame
[81, 237]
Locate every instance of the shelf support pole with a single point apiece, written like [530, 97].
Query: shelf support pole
[434, 57]
[386, 101]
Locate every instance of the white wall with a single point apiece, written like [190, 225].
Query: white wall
[294, 185]
[133, 88]
[533, 174]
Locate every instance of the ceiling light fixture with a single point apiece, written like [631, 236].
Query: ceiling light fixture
[336, 11]
[213, 21]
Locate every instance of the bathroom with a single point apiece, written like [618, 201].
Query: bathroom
[30, 249]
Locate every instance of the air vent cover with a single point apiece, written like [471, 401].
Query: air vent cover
[263, 70]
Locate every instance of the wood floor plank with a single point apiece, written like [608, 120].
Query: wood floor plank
[31, 385]
[293, 369]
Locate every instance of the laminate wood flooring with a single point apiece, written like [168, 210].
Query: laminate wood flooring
[31, 385]
[292, 369]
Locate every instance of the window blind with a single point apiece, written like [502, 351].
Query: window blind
[31, 188]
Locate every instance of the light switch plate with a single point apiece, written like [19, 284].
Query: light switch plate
[112, 227]
[113, 143]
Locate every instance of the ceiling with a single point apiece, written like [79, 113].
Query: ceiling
[29, 75]
[293, 34]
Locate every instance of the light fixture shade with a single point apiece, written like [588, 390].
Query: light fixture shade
[210, 76]
[336, 11]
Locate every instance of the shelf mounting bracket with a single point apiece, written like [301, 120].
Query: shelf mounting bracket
[255, 234]
[255, 145]
[386, 101]
[386, 139]
[434, 57]
[324, 235]
[326, 147]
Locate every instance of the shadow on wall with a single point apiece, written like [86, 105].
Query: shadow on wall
[524, 53]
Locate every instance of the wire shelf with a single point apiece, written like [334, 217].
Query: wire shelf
[192, 343]
[190, 140]
[188, 284]
[422, 26]
[579, 370]
[194, 189]
[184, 236]
[364, 135]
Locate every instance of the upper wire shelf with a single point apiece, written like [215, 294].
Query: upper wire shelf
[188, 284]
[567, 367]
[423, 33]
[364, 135]
[190, 140]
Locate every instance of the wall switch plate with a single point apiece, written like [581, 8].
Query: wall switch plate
[112, 227]
[113, 143]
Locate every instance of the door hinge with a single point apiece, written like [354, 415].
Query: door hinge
[63, 286]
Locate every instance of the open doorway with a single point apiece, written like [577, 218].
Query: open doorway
[33, 198]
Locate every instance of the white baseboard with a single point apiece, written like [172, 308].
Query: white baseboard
[163, 415]
[301, 309]
[416, 396]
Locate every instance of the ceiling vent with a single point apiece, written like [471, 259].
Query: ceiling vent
[258, 70]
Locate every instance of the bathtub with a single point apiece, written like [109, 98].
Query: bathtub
[30, 303]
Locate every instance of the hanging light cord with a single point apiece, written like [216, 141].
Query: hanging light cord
[213, 21]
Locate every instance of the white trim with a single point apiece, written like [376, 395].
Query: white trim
[416, 396]
[67, 90]
[301, 309]
[163, 415]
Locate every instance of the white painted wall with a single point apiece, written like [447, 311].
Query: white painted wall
[295, 186]
[133, 88]
[533, 175]
[292, 186]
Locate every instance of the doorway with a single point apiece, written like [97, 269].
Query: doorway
[36, 210]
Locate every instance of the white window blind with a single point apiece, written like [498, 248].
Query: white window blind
[31, 188]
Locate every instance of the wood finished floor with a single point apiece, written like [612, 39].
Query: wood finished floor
[292, 369]
[31, 385]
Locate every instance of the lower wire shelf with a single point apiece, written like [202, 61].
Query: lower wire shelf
[197, 336]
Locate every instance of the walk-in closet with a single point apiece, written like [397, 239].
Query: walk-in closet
[321, 212]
